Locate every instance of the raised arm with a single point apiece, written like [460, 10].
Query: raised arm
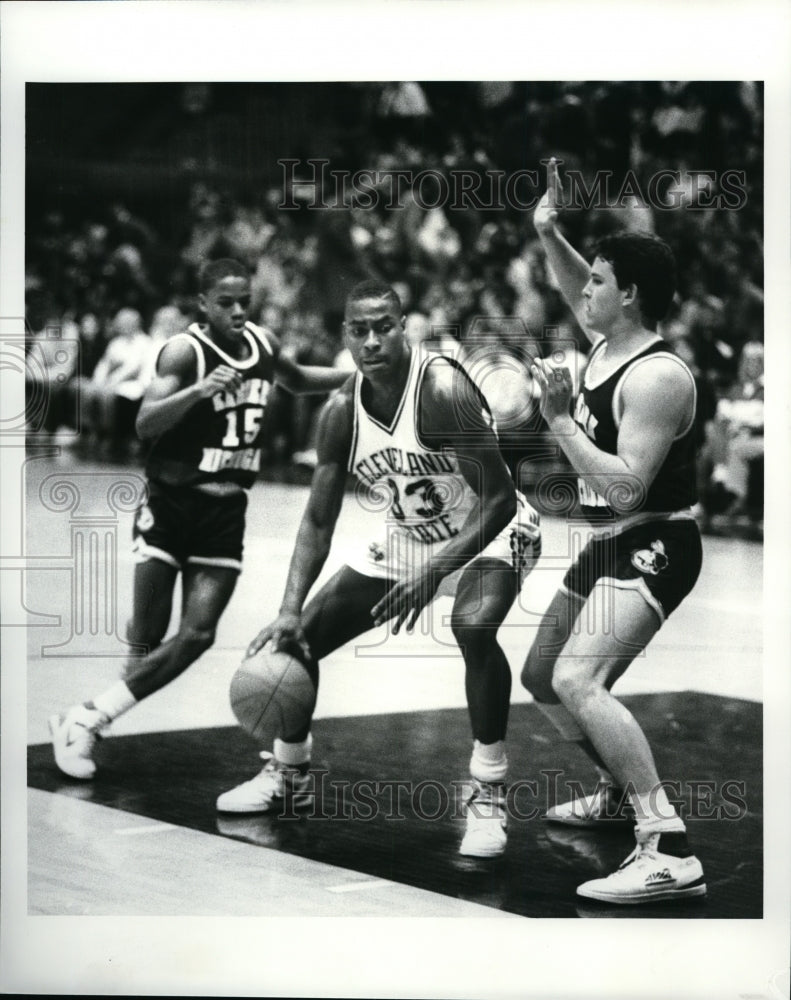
[317, 527]
[569, 267]
[175, 388]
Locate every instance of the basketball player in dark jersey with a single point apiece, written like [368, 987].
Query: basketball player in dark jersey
[629, 437]
[445, 518]
[202, 416]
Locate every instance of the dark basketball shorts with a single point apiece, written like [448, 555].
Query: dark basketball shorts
[180, 525]
[660, 559]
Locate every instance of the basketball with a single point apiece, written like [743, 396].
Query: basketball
[272, 694]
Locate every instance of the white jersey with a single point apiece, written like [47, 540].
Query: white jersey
[416, 496]
[420, 492]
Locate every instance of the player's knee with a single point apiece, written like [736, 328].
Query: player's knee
[473, 640]
[144, 634]
[530, 669]
[570, 683]
[197, 638]
[536, 676]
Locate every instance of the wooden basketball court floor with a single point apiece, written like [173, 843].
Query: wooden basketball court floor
[391, 739]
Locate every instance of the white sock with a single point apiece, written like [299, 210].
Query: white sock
[115, 700]
[293, 754]
[489, 761]
[654, 809]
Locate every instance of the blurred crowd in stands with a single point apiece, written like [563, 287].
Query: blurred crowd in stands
[104, 290]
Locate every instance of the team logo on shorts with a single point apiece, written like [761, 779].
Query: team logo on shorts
[145, 519]
[525, 546]
[652, 560]
[376, 552]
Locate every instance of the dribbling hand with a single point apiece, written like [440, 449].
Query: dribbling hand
[285, 630]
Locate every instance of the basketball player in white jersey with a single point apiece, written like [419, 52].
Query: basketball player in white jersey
[631, 442]
[417, 434]
[202, 416]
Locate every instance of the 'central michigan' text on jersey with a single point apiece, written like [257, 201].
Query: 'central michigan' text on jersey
[218, 439]
[598, 412]
[422, 492]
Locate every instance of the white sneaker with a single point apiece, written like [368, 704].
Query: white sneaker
[269, 791]
[606, 805]
[486, 835]
[74, 737]
[648, 874]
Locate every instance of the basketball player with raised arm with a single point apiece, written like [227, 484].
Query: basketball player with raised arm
[202, 414]
[417, 434]
[630, 439]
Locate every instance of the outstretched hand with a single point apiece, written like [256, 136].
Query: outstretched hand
[546, 213]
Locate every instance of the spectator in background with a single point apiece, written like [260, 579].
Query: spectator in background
[91, 349]
[538, 301]
[402, 112]
[167, 322]
[735, 445]
[205, 226]
[438, 240]
[92, 344]
[111, 397]
[128, 278]
[707, 396]
[50, 365]
[248, 234]
[278, 280]
[308, 343]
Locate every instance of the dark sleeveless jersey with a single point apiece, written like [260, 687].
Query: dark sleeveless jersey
[598, 412]
[218, 439]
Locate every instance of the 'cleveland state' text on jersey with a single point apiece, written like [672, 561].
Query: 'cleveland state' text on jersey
[218, 439]
[420, 491]
[598, 412]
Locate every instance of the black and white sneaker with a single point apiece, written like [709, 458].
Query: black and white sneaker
[74, 737]
[661, 867]
[486, 835]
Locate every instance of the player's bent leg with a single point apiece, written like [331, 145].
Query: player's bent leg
[206, 591]
[339, 612]
[662, 865]
[591, 661]
[609, 803]
[486, 591]
[152, 603]
[551, 636]
[75, 733]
